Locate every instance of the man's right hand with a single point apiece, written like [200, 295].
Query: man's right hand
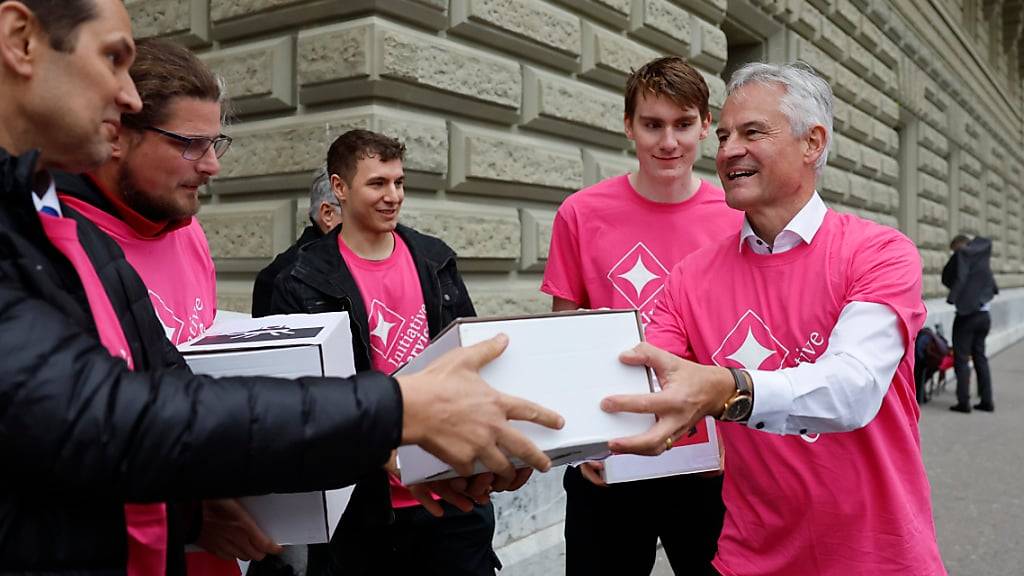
[453, 414]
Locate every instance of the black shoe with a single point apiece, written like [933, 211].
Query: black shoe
[961, 408]
[985, 407]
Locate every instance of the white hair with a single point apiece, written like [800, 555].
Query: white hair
[319, 192]
[808, 100]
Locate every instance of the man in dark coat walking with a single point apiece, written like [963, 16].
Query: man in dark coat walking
[968, 275]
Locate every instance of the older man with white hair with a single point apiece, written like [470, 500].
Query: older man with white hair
[797, 333]
[324, 215]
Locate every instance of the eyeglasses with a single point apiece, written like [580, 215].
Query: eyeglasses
[196, 147]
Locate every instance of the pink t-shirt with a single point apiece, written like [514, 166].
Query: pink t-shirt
[613, 248]
[844, 504]
[397, 318]
[176, 267]
[146, 524]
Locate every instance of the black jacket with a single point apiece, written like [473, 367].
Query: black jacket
[80, 434]
[263, 288]
[321, 282]
[968, 275]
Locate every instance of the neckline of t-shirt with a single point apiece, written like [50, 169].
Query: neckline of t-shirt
[788, 256]
[666, 206]
[353, 259]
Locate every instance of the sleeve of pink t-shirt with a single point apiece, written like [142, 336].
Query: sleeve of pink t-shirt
[667, 329]
[563, 274]
[886, 269]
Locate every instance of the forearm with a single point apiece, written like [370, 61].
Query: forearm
[844, 389]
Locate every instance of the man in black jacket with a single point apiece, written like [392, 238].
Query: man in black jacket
[968, 275]
[80, 432]
[324, 215]
[400, 288]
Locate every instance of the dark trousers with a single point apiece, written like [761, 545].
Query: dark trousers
[969, 333]
[457, 544]
[614, 530]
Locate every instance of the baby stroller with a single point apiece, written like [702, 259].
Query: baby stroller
[932, 358]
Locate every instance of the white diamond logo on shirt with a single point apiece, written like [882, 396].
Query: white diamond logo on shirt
[638, 276]
[385, 323]
[750, 344]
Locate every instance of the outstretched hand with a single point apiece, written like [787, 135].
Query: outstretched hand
[452, 413]
[689, 391]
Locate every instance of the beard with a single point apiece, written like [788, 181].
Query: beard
[151, 206]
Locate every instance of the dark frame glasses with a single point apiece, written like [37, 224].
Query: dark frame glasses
[196, 147]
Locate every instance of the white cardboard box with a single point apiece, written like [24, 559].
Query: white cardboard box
[689, 455]
[287, 346]
[567, 362]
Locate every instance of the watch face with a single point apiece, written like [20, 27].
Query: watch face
[738, 409]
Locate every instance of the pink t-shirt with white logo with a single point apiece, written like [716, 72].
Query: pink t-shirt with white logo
[176, 267]
[613, 248]
[397, 318]
[843, 504]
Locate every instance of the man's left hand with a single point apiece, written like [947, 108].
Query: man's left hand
[464, 493]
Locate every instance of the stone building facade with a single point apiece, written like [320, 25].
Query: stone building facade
[508, 106]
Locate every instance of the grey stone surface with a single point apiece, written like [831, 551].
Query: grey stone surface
[184, 20]
[286, 145]
[608, 57]
[257, 77]
[482, 159]
[423, 59]
[567, 107]
[598, 165]
[474, 231]
[258, 229]
[663, 24]
[534, 20]
[537, 225]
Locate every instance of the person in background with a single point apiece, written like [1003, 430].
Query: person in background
[400, 289]
[324, 215]
[968, 275]
[612, 246]
[797, 332]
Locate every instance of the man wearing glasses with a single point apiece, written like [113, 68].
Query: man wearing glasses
[145, 198]
[146, 195]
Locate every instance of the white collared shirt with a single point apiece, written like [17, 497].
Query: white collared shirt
[844, 388]
[49, 199]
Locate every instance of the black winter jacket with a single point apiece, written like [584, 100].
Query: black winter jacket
[321, 282]
[968, 275]
[80, 434]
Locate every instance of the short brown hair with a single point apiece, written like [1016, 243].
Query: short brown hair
[162, 71]
[348, 149]
[61, 19]
[671, 77]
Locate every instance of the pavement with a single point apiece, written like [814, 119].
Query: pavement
[976, 466]
[975, 463]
